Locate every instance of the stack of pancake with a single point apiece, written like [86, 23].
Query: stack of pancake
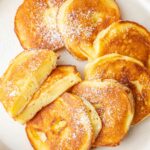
[60, 110]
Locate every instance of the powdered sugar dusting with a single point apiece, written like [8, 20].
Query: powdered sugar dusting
[65, 124]
[76, 28]
[13, 93]
[81, 21]
[131, 73]
[46, 24]
[40, 24]
[11, 89]
[111, 101]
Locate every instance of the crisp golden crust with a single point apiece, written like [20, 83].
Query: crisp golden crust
[64, 125]
[60, 80]
[114, 104]
[79, 22]
[125, 38]
[35, 24]
[129, 72]
[23, 77]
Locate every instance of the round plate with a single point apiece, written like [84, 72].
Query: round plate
[12, 134]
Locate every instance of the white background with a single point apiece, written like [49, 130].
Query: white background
[12, 135]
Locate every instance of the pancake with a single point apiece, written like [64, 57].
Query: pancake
[79, 22]
[125, 38]
[94, 118]
[114, 104]
[64, 124]
[23, 77]
[61, 79]
[128, 71]
[35, 24]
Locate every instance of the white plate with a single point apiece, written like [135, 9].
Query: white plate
[12, 134]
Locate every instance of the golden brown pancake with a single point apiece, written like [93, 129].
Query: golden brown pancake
[94, 118]
[23, 77]
[114, 104]
[35, 24]
[125, 38]
[64, 124]
[79, 22]
[61, 79]
[128, 71]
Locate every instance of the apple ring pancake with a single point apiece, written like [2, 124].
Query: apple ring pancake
[64, 124]
[23, 77]
[115, 105]
[79, 22]
[35, 24]
[125, 38]
[128, 71]
[59, 81]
